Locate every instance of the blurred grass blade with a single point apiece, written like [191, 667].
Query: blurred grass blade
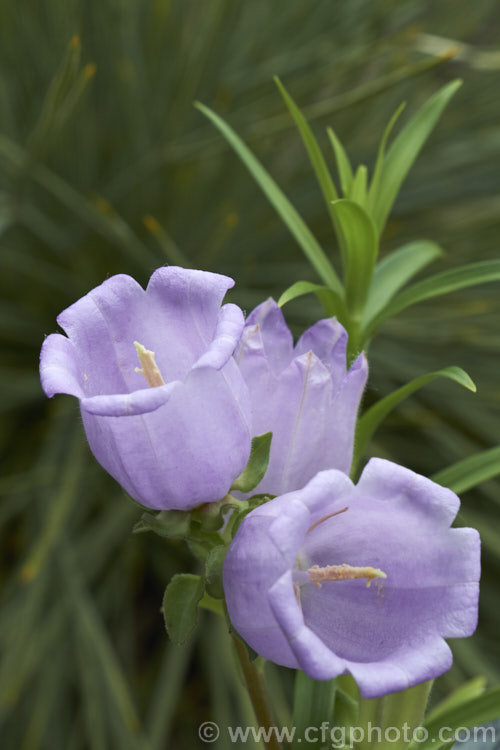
[313, 704]
[463, 694]
[358, 186]
[377, 172]
[361, 242]
[167, 694]
[91, 629]
[57, 91]
[405, 150]
[472, 274]
[471, 471]
[100, 217]
[343, 164]
[294, 222]
[332, 303]
[473, 713]
[371, 420]
[61, 506]
[393, 271]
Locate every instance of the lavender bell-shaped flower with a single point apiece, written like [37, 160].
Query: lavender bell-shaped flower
[304, 395]
[366, 579]
[165, 408]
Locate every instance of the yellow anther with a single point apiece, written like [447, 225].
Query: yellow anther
[343, 573]
[149, 367]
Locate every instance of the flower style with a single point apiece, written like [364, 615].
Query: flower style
[174, 431]
[304, 395]
[297, 578]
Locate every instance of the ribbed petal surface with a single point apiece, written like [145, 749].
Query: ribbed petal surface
[304, 395]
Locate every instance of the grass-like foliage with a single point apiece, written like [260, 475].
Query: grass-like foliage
[106, 167]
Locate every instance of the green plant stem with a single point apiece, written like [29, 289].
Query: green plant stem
[257, 692]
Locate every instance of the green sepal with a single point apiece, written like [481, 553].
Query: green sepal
[199, 550]
[257, 464]
[180, 605]
[213, 571]
[210, 516]
[173, 524]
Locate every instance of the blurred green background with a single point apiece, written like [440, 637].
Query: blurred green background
[106, 167]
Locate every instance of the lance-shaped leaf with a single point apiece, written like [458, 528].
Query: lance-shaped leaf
[317, 160]
[332, 303]
[361, 242]
[275, 195]
[471, 471]
[357, 192]
[405, 149]
[180, 605]
[377, 172]
[442, 283]
[395, 270]
[371, 420]
[343, 164]
[257, 464]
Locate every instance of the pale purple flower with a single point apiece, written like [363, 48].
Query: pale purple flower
[391, 530]
[184, 440]
[303, 394]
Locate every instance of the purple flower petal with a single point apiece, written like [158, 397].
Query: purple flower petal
[389, 635]
[304, 396]
[178, 444]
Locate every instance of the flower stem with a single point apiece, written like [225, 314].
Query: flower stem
[257, 692]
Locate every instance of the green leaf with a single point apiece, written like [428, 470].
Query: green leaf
[463, 694]
[180, 605]
[358, 187]
[377, 172]
[442, 283]
[312, 705]
[405, 150]
[361, 241]
[317, 160]
[472, 713]
[343, 164]
[275, 195]
[213, 571]
[393, 272]
[331, 302]
[371, 420]
[257, 464]
[471, 471]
